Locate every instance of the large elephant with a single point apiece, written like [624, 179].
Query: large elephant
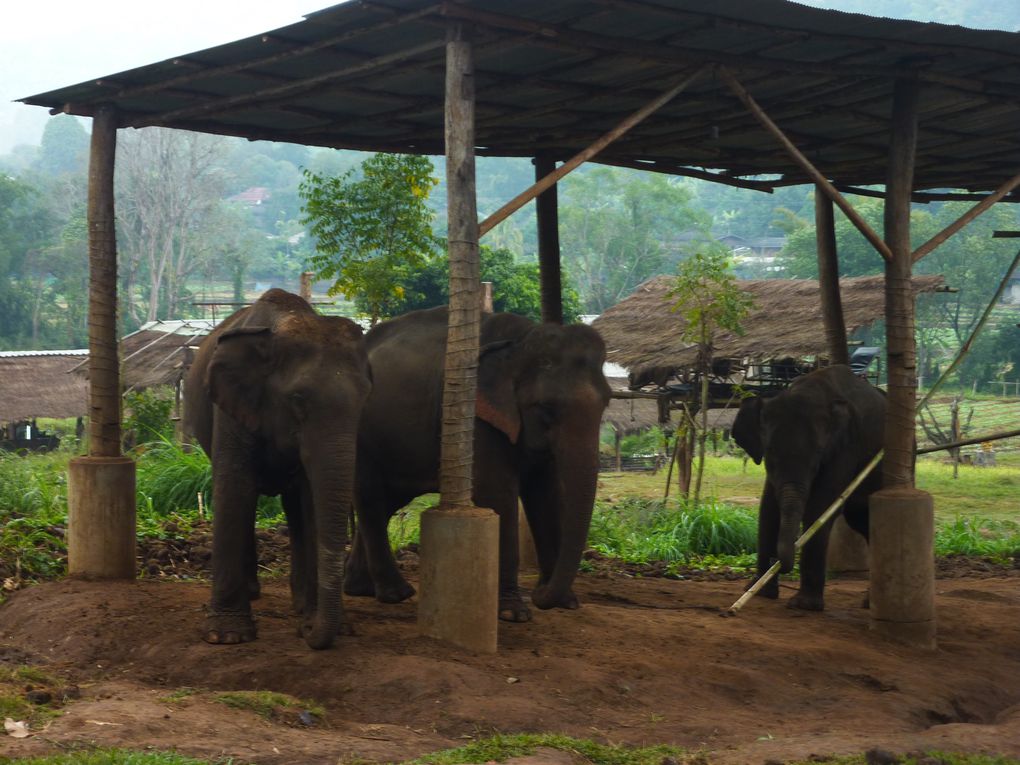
[274, 397]
[815, 437]
[541, 395]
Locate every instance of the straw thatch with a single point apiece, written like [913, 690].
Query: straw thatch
[39, 384]
[630, 415]
[786, 321]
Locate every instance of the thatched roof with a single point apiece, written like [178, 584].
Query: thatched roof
[158, 353]
[39, 384]
[786, 321]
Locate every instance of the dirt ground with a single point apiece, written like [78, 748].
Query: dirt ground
[645, 660]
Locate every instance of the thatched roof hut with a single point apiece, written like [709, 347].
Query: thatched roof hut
[785, 322]
[160, 352]
[39, 384]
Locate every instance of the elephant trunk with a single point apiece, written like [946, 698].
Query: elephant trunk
[576, 477]
[331, 476]
[791, 513]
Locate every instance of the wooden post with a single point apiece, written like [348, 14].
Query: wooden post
[828, 279]
[459, 542]
[902, 518]
[101, 486]
[306, 285]
[485, 297]
[547, 216]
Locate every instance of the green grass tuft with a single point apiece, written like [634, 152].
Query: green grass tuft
[110, 757]
[265, 703]
[503, 747]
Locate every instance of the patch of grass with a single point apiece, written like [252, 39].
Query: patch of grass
[641, 530]
[179, 695]
[928, 758]
[500, 748]
[973, 535]
[16, 682]
[266, 703]
[110, 757]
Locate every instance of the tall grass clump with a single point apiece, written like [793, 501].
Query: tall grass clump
[974, 535]
[170, 478]
[642, 530]
[33, 514]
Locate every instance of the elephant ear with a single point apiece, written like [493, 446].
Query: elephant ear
[747, 428]
[236, 375]
[496, 401]
[840, 421]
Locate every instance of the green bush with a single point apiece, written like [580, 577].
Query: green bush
[147, 414]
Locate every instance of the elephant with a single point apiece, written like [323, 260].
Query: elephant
[274, 397]
[815, 437]
[540, 398]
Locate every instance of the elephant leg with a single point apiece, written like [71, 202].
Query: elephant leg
[229, 619]
[502, 497]
[251, 565]
[768, 536]
[810, 596]
[301, 563]
[542, 506]
[371, 567]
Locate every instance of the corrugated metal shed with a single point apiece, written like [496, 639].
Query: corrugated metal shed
[553, 76]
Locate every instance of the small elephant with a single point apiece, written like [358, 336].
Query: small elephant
[274, 397]
[815, 437]
[540, 398]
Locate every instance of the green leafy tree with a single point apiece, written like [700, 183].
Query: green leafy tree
[621, 227]
[709, 300]
[372, 230]
[64, 149]
[515, 286]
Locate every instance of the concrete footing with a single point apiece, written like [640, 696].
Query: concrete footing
[903, 566]
[101, 518]
[458, 598]
[848, 550]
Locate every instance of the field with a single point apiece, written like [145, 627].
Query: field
[645, 672]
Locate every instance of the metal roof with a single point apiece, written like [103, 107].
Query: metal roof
[553, 76]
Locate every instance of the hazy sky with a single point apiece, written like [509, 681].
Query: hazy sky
[47, 44]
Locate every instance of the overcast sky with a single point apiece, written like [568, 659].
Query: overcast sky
[47, 44]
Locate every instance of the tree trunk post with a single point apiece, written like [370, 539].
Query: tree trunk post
[847, 550]
[459, 542]
[306, 286]
[902, 518]
[548, 221]
[101, 486]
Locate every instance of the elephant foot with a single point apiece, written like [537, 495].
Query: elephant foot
[254, 589]
[804, 602]
[358, 583]
[395, 592]
[540, 598]
[304, 628]
[513, 609]
[229, 627]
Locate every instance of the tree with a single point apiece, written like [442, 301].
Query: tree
[621, 227]
[371, 231]
[709, 301]
[64, 149]
[168, 185]
[515, 286]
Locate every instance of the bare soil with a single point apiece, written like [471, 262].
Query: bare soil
[646, 660]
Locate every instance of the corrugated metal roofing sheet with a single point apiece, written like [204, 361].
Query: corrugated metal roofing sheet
[553, 76]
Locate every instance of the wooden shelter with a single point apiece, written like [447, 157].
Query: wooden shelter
[786, 321]
[37, 384]
[751, 94]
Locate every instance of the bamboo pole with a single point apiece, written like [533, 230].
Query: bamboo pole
[966, 218]
[820, 180]
[803, 539]
[580, 158]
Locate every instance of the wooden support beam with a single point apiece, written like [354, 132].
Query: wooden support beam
[104, 365]
[966, 218]
[580, 158]
[828, 280]
[548, 220]
[820, 180]
[898, 468]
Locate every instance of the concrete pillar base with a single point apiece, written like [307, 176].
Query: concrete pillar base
[848, 550]
[526, 544]
[101, 518]
[903, 566]
[458, 599]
